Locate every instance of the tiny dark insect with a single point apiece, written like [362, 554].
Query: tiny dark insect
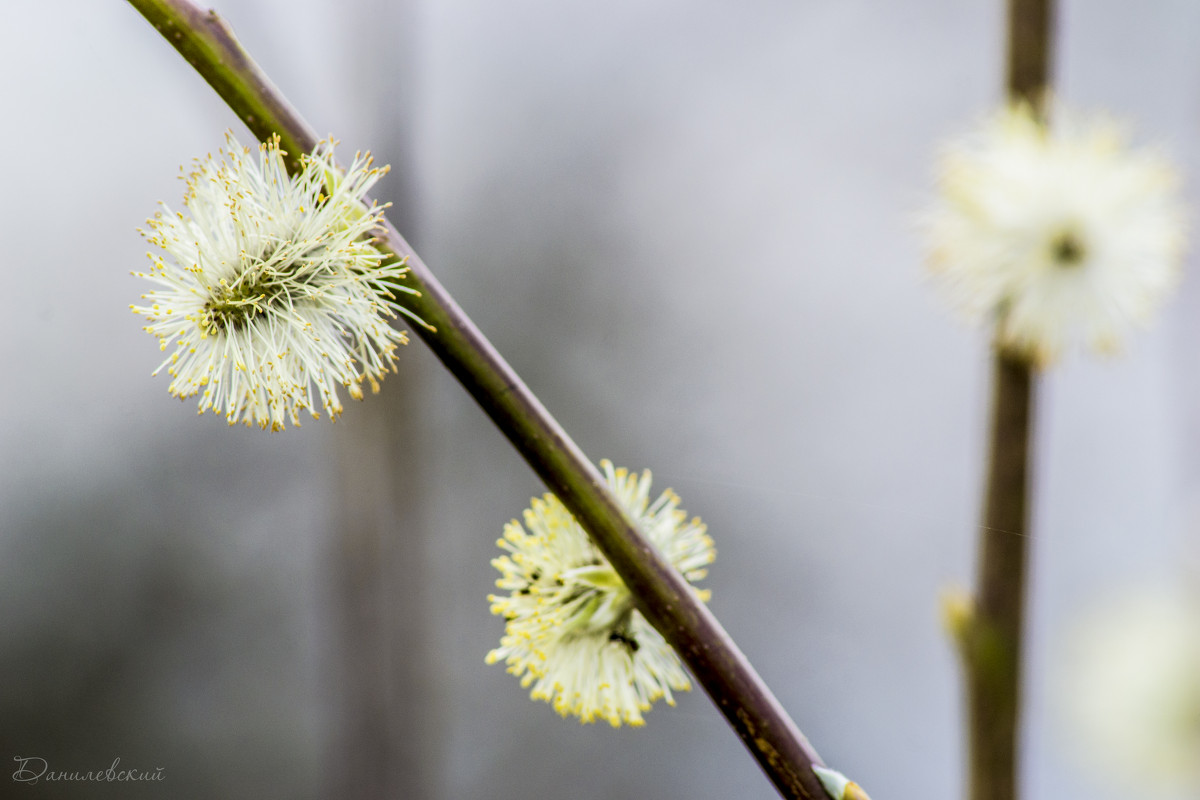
[617, 636]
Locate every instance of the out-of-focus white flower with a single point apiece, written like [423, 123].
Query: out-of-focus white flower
[1058, 234]
[572, 630]
[1131, 686]
[272, 295]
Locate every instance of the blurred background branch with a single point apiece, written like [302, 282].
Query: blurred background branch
[389, 707]
[993, 641]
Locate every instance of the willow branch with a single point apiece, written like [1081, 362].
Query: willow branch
[661, 593]
[1029, 49]
[992, 640]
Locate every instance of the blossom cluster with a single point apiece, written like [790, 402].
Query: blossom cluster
[272, 294]
[572, 631]
[1130, 684]
[1056, 232]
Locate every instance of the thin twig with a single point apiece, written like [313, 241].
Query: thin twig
[992, 639]
[662, 595]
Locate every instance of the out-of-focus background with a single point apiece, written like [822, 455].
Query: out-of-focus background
[689, 226]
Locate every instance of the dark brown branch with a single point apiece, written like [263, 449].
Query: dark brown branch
[992, 638]
[1030, 51]
[663, 596]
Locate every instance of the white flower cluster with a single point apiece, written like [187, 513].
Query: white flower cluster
[1056, 232]
[1131, 686]
[572, 630]
[273, 295]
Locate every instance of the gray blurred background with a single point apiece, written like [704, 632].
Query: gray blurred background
[689, 226]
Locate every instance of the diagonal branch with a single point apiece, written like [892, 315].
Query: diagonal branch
[662, 595]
